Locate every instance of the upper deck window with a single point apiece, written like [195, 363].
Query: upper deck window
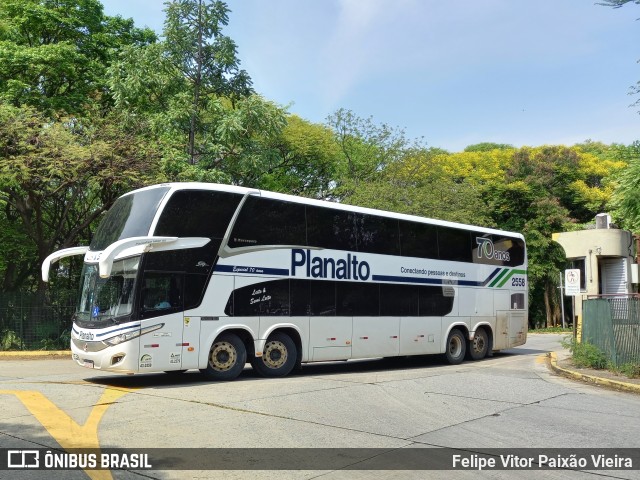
[130, 216]
[197, 213]
[265, 221]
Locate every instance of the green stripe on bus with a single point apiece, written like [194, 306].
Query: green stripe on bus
[511, 274]
[497, 279]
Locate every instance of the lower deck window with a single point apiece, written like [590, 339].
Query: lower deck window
[293, 297]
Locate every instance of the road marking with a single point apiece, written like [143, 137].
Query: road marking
[63, 428]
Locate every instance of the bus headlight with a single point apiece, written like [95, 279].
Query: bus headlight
[125, 337]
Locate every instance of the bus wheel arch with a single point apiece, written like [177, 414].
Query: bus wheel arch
[456, 346]
[227, 355]
[282, 352]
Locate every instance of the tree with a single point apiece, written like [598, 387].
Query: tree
[54, 53]
[625, 202]
[56, 177]
[303, 159]
[546, 190]
[419, 184]
[367, 149]
[200, 105]
[487, 147]
[196, 47]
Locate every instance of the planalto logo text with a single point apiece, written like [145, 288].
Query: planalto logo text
[348, 268]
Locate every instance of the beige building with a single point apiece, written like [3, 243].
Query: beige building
[606, 258]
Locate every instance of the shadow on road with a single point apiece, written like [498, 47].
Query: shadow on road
[193, 377]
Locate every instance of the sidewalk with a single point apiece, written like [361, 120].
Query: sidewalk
[560, 362]
[34, 354]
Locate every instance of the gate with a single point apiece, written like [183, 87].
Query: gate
[613, 325]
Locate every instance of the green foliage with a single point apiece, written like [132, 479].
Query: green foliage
[625, 201]
[546, 190]
[59, 342]
[198, 102]
[420, 184]
[10, 340]
[57, 176]
[366, 150]
[303, 159]
[53, 54]
[631, 370]
[196, 46]
[488, 146]
[585, 354]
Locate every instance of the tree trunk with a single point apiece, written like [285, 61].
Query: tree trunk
[196, 91]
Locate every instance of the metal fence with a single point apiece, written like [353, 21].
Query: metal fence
[35, 321]
[613, 325]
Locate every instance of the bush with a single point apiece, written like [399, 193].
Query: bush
[586, 354]
[631, 370]
[10, 340]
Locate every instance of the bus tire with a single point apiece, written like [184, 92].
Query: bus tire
[479, 346]
[227, 357]
[456, 347]
[278, 356]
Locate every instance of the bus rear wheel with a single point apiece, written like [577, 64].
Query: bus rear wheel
[479, 346]
[278, 356]
[226, 359]
[456, 347]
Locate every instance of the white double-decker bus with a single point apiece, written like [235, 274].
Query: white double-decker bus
[202, 276]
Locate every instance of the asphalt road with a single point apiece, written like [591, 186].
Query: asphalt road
[510, 400]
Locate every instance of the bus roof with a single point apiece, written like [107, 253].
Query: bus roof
[175, 186]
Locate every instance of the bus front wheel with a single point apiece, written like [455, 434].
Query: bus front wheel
[227, 358]
[278, 356]
[456, 347]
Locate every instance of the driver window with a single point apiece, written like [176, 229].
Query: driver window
[161, 293]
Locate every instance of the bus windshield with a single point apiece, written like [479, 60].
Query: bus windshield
[130, 216]
[104, 301]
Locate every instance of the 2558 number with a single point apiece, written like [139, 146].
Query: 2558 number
[518, 282]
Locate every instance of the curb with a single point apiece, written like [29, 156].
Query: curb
[34, 354]
[604, 382]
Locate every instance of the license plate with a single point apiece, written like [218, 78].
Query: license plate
[87, 363]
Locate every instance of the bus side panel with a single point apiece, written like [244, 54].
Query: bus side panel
[213, 320]
[376, 337]
[477, 302]
[191, 342]
[420, 335]
[517, 328]
[215, 297]
[161, 350]
[330, 338]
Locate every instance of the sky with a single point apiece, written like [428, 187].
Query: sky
[450, 72]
